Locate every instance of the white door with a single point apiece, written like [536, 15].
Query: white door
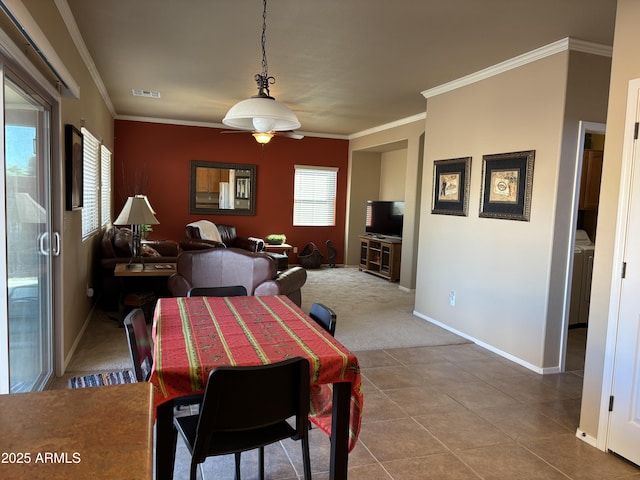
[624, 426]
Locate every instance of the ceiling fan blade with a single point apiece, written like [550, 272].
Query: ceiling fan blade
[236, 131]
[295, 135]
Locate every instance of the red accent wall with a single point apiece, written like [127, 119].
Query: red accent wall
[154, 159]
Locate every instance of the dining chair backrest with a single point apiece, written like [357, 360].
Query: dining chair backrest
[247, 407]
[324, 316]
[227, 291]
[135, 326]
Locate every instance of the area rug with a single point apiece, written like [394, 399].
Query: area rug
[372, 313]
[101, 379]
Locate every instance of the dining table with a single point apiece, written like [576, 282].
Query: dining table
[194, 335]
[78, 434]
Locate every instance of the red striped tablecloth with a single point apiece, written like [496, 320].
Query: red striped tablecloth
[194, 335]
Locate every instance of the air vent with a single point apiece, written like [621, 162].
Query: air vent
[145, 93]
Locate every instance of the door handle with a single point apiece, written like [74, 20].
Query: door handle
[49, 248]
[42, 249]
[56, 244]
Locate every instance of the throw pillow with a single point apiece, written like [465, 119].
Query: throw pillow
[122, 242]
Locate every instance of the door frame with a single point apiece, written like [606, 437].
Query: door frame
[584, 127]
[628, 148]
[16, 61]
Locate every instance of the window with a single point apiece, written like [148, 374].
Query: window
[96, 202]
[314, 197]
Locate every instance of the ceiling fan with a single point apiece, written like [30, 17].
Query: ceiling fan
[261, 115]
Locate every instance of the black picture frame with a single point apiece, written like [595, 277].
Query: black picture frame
[204, 197]
[74, 167]
[451, 180]
[507, 180]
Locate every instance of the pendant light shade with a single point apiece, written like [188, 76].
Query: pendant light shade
[262, 114]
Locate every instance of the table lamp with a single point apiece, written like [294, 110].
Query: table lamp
[136, 212]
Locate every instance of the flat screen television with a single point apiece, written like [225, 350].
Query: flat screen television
[384, 218]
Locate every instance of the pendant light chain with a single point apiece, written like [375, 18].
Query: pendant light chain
[264, 80]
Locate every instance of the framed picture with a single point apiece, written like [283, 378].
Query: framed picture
[451, 186]
[243, 187]
[507, 180]
[73, 143]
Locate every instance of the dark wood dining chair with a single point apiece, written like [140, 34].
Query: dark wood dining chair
[232, 420]
[135, 325]
[227, 291]
[324, 316]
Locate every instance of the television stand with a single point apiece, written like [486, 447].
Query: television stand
[381, 256]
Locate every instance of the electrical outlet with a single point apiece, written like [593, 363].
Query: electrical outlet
[452, 298]
[295, 249]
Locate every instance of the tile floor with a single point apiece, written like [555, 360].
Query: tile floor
[444, 412]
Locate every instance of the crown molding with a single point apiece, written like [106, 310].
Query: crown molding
[387, 126]
[76, 37]
[524, 59]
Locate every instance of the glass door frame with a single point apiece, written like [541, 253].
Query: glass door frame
[18, 69]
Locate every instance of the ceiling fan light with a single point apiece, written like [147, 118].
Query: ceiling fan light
[243, 114]
[263, 137]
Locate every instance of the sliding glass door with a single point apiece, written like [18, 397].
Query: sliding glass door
[30, 242]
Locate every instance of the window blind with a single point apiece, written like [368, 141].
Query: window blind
[314, 202]
[105, 185]
[91, 165]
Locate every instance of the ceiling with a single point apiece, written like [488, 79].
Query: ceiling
[343, 66]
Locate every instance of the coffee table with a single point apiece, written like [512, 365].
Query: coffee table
[144, 269]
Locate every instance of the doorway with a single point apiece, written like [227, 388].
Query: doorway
[589, 171]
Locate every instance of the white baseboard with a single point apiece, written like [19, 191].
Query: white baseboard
[491, 348]
[74, 347]
[586, 438]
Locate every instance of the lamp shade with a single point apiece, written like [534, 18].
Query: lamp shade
[262, 114]
[137, 211]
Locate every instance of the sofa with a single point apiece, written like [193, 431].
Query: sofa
[115, 247]
[226, 237]
[217, 267]
[197, 239]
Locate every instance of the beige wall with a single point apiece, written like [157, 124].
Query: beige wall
[90, 109]
[509, 289]
[365, 159]
[625, 66]
[499, 269]
[364, 184]
[393, 170]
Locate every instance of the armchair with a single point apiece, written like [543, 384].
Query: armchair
[216, 267]
[202, 235]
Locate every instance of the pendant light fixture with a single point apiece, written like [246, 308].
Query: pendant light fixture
[261, 113]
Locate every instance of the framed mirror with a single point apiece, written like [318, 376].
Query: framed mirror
[222, 188]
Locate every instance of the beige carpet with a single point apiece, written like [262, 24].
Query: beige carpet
[372, 313]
